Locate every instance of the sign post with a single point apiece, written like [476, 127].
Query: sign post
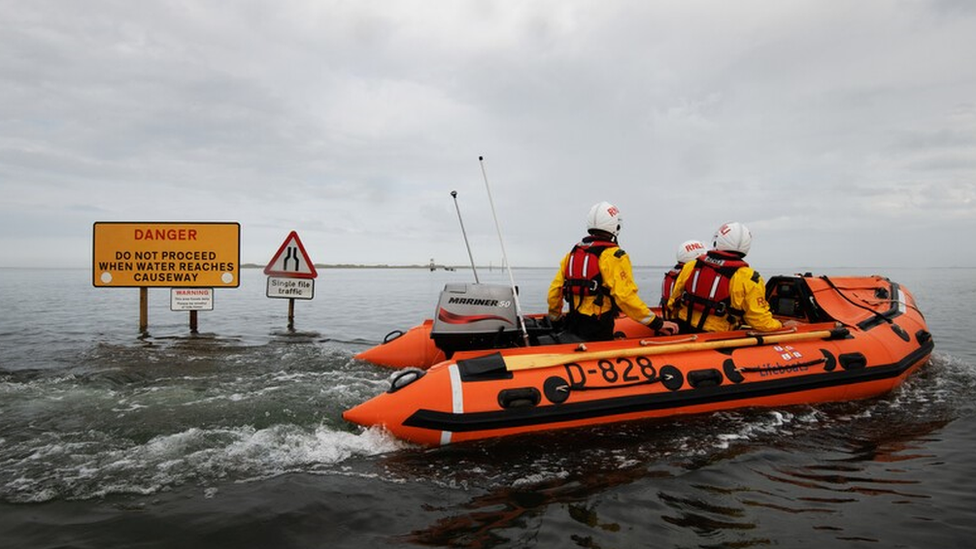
[165, 254]
[291, 274]
[144, 310]
[192, 300]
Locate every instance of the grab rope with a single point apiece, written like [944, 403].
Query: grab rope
[892, 301]
[849, 300]
[754, 333]
[646, 342]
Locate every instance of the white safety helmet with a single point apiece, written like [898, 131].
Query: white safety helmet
[690, 249]
[733, 237]
[604, 217]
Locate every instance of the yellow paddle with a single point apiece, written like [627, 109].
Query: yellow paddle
[528, 362]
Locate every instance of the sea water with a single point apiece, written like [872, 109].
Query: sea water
[233, 436]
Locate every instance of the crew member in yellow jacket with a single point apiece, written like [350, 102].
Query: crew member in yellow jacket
[719, 291]
[597, 280]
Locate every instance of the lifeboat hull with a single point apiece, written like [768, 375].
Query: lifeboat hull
[876, 338]
[415, 348]
[411, 349]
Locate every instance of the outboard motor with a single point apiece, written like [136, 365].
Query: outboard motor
[475, 316]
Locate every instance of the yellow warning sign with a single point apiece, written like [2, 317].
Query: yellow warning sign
[168, 254]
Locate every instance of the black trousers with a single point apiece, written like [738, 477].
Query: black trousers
[591, 328]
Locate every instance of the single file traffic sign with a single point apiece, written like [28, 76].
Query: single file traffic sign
[291, 260]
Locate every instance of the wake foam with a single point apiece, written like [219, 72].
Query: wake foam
[91, 465]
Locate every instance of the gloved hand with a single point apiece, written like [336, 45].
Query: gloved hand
[557, 323]
[668, 328]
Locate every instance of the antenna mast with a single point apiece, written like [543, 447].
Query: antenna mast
[511, 279]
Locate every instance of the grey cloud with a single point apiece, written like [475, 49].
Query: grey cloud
[352, 122]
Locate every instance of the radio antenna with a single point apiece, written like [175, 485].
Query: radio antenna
[511, 279]
[465, 234]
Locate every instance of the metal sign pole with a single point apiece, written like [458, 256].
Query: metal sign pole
[291, 314]
[144, 310]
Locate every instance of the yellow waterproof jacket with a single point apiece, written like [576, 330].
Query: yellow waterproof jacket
[618, 278]
[747, 293]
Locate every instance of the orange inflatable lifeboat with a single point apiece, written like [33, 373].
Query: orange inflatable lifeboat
[859, 337]
[473, 317]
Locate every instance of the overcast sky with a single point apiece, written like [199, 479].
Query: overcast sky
[842, 133]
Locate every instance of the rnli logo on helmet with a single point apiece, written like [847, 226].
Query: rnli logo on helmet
[725, 229]
[692, 246]
[613, 211]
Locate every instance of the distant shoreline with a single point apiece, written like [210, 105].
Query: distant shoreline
[385, 266]
[492, 268]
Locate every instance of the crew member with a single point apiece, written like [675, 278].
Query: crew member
[719, 291]
[597, 280]
[688, 250]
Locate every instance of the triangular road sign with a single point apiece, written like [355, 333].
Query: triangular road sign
[291, 260]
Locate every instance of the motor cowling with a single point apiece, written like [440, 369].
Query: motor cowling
[475, 316]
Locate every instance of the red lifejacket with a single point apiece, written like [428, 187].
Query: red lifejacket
[667, 288]
[582, 276]
[707, 288]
